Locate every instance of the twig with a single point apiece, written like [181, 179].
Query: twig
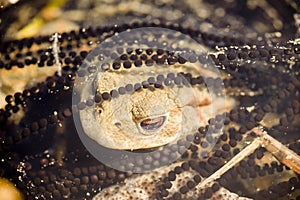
[234, 161]
[279, 151]
[55, 51]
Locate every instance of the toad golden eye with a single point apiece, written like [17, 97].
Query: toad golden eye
[153, 124]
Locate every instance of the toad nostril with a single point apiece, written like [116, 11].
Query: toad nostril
[153, 124]
[118, 124]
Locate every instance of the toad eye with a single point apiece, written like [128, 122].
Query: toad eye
[153, 124]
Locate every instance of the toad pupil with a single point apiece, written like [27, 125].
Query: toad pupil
[152, 124]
